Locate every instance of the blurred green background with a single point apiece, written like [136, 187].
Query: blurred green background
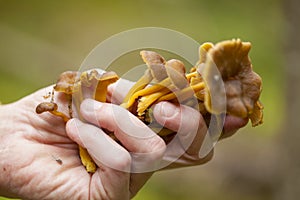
[41, 39]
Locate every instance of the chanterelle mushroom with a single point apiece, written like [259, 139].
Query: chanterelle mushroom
[175, 81]
[156, 71]
[242, 84]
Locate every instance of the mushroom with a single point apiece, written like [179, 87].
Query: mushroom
[187, 85]
[156, 71]
[256, 116]
[242, 84]
[87, 160]
[146, 101]
[175, 81]
[97, 83]
[52, 108]
[65, 82]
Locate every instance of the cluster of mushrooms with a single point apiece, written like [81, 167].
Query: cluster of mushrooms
[168, 81]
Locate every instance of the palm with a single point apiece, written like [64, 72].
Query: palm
[42, 153]
[39, 156]
[45, 158]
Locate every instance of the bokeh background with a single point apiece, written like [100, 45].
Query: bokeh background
[41, 39]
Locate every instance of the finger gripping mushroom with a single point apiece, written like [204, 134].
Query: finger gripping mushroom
[87, 84]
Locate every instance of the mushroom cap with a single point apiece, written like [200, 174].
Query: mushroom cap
[89, 78]
[65, 82]
[46, 106]
[176, 72]
[227, 65]
[155, 63]
[94, 85]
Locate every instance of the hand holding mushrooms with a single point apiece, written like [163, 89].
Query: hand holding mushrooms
[168, 82]
[76, 126]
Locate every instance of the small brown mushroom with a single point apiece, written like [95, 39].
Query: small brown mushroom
[52, 108]
[155, 63]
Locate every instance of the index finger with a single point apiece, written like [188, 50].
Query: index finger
[143, 144]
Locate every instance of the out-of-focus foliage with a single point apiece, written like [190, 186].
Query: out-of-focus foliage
[41, 39]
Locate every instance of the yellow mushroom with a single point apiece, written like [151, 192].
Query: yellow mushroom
[146, 101]
[97, 83]
[187, 85]
[176, 80]
[156, 71]
[242, 85]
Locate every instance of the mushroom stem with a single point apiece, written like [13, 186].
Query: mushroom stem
[147, 100]
[191, 75]
[184, 93]
[149, 90]
[52, 108]
[140, 84]
[86, 160]
[60, 114]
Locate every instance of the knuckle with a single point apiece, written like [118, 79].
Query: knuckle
[122, 162]
[156, 147]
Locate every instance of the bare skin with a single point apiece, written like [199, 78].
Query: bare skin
[39, 153]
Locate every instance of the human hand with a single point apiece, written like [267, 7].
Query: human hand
[39, 153]
[187, 122]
